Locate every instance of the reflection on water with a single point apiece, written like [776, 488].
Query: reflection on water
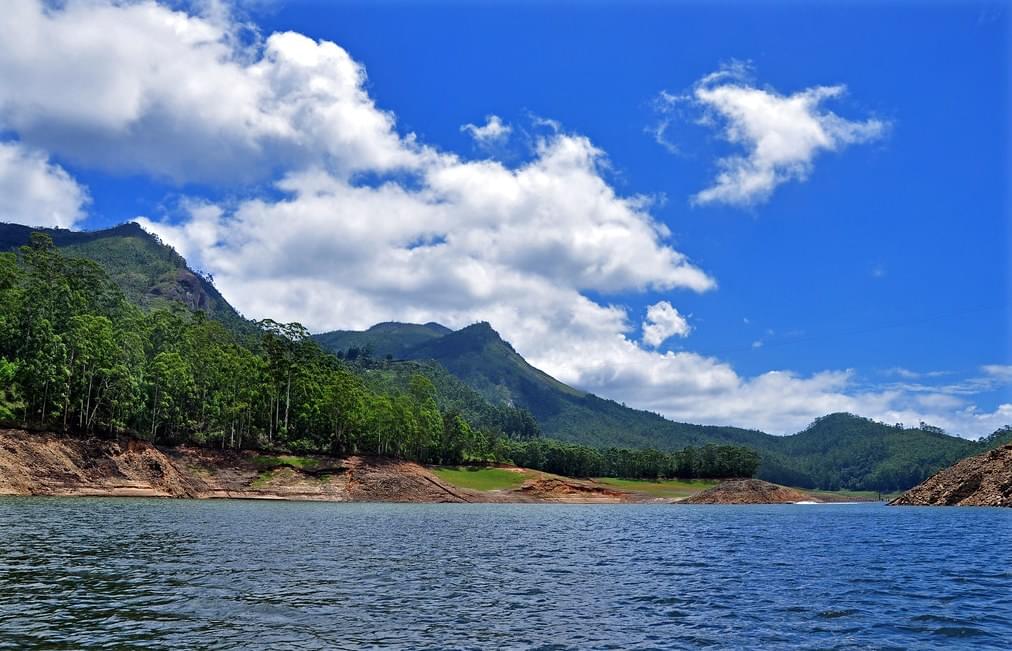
[84, 573]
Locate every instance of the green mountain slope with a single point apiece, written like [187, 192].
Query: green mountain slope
[150, 273]
[389, 338]
[837, 451]
[843, 451]
[479, 356]
[482, 360]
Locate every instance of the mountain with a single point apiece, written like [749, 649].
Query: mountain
[843, 450]
[475, 371]
[836, 451]
[149, 272]
[482, 360]
[383, 339]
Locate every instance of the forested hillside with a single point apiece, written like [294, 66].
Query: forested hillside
[150, 273]
[836, 451]
[77, 355]
[153, 303]
[381, 340]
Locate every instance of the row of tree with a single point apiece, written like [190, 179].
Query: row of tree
[709, 461]
[76, 355]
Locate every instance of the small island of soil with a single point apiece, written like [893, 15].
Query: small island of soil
[749, 491]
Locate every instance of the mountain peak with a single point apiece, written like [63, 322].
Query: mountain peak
[150, 272]
[398, 326]
[481, 328]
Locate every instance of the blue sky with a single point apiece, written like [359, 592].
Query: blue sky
[873, 278]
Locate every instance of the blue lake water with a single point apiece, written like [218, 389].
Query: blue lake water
[180, 574]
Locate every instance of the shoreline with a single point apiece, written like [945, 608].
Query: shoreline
[48, 464]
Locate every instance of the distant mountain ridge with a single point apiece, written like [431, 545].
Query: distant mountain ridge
[837, 451]
[387, 338]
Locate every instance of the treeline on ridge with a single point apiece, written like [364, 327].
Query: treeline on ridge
[76, 355]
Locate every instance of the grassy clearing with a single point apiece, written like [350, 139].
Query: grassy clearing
[272, 461]
[659, 488]
[481, 479]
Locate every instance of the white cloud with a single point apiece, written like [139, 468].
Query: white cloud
[915, 375]
[36, 192]
[998, 371]
[139, 88]
[134, 86]
[472, 240]
[492, 132]
[663, 322]
[781, 134]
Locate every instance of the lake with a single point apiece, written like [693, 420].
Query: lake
[85, 573]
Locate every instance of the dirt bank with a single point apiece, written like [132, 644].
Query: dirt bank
[558, 489]
[981, 480]
[50, 464]
[750, 491]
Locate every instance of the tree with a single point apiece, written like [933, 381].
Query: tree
[171, 387]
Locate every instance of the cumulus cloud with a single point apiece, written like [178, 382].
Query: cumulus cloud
[536, 248]
[467, 241]
[36, 192]
[136, 86]
[781, 135]
[492, 132]
[663, 322]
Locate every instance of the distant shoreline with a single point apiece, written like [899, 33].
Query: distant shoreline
[49, 464]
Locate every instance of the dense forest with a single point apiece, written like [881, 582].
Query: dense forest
[77, 355]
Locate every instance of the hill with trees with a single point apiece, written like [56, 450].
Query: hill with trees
[382, 340]
[76, 355]
[111, 330]
[838, 451]
[148, 272]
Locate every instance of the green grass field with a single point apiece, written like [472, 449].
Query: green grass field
[271, 461]
[659, 488]
[481, 479]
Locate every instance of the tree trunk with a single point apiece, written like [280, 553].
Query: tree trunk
[154, 413]
[288, 398]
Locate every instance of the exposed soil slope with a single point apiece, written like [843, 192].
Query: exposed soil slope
[42, 464]
[981, 480]
[749, 491]
[559, 489]
[47, 464]
[50, 464]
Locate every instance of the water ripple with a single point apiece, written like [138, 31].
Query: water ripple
[91, 573]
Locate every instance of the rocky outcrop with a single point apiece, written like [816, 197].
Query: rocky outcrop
[44, 464]
[749, 491]
[560, 489]
[981, 480]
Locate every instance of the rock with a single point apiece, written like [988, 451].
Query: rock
[981, 480]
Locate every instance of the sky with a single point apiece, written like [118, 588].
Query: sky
[748, 213]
